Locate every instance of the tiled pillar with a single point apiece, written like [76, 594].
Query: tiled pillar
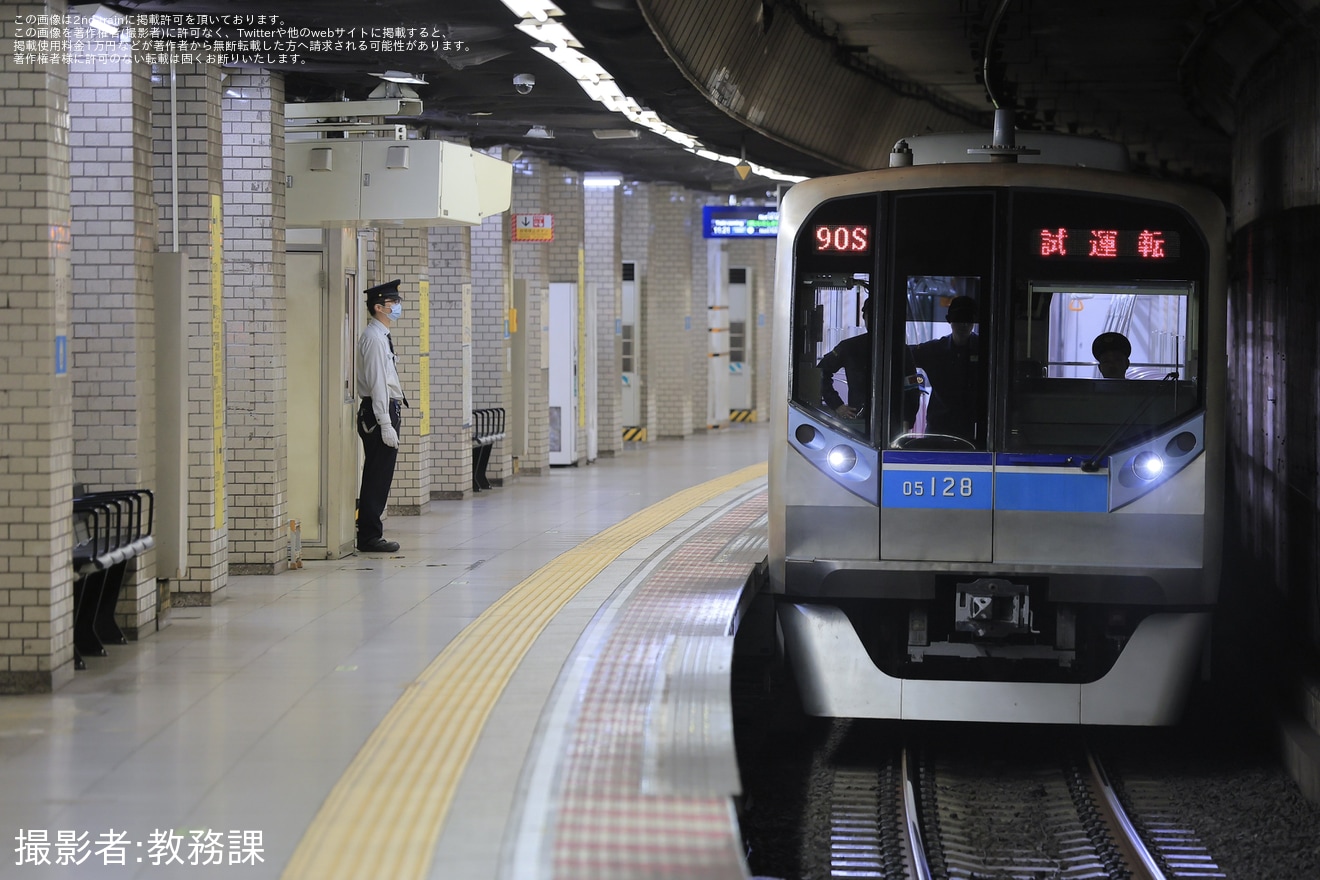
[403, 254]
[112, 347]
[256, 362]
[667, 302]
[199, 166]
[36, 448]
[450, 349]
[491, 263]
[530, 263]
[636, 249]
[603, 234]
[566, 263]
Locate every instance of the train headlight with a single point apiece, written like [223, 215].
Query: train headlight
[842, 459]
[1148, 465]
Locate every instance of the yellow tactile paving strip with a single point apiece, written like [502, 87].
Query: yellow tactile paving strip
[384, 815]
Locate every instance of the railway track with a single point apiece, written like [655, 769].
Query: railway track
[977, 810]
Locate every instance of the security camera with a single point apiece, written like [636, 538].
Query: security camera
[524, 83]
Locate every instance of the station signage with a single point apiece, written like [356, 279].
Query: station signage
[533, 227]
[718, 221]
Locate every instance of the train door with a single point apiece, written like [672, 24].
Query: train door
[740, 372]
[630, 349]
[306, 351]
[563, 342]
[937, 473]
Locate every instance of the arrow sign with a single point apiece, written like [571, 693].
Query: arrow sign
[533, 227]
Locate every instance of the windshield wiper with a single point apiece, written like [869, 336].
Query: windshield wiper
[1092, 464]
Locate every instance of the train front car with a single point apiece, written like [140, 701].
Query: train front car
[996, 481]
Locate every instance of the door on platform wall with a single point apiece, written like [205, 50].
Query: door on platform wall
[631, 401]
[306, 305]
[740, 338]
[717, 334]
[321, 336]
[563, 309]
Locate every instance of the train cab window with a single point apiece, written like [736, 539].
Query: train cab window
[940, 365]
[944, 364]
[1095, 359]
[834, 316]
[836, 354]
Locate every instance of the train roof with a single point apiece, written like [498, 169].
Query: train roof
[1029, 147]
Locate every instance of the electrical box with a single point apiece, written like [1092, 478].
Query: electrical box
[352, 182]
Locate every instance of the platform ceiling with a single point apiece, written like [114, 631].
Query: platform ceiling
[1158, 76]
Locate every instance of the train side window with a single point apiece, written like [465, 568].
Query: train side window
[1094, 358]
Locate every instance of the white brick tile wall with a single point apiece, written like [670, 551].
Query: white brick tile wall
[531, 262]
[199, 164]
[112, 349]
[404, 254]
[256, 359]
[603, 233]
[451, 433]
[36, 425]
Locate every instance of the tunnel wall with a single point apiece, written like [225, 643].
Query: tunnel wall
[1274, 362]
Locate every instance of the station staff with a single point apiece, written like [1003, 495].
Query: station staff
[379, 415]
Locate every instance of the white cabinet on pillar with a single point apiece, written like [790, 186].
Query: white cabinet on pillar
[563, 342]
[630, 347]
[717, 332]
[740, 330]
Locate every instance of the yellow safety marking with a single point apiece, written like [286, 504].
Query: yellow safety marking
[383, 817]
[742, 415]
[634, 434]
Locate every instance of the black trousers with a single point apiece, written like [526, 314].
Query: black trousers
[377, 470]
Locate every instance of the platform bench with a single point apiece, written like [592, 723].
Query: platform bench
[487, 427]
[109, 529]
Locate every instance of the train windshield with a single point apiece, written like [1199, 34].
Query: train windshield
[1100, 364]
[997, 320]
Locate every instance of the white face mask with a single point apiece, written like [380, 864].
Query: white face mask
[395, 311]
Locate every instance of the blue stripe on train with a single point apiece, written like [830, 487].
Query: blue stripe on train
[1075, 492]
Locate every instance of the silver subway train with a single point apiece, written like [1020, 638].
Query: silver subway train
[996, 475]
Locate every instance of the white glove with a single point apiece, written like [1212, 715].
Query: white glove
[389, 437]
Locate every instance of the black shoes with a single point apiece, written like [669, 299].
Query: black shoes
[380, 545]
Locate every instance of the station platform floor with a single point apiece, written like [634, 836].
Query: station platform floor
[538, 674]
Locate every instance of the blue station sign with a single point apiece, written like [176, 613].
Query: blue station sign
[718, 221]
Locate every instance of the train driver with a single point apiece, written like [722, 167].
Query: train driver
[853, 356]
[953, 365]
[1112, 352]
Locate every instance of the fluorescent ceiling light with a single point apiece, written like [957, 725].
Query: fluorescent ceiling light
[614, 134]
[602, 180]
[541, 10]
[539, 131]
[105, 20]
[560, 46]
[399, 76]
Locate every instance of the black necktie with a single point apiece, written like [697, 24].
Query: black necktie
[390, 340]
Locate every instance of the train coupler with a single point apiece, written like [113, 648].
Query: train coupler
[992, 608]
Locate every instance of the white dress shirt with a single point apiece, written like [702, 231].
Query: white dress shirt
[377, 377]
